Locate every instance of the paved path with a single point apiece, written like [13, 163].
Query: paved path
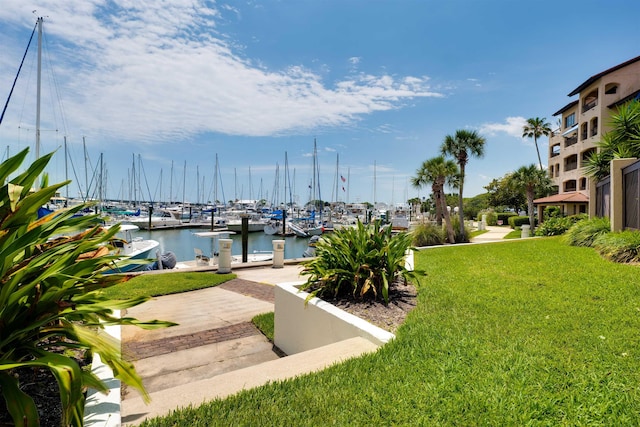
[214, 337]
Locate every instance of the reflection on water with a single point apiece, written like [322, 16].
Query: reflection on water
[182, 242]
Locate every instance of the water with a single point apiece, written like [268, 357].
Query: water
[182, 242]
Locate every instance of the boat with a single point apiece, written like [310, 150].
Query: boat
[131, 248]
[256, 223]
[162, 218]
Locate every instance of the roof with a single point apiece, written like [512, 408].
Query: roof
[566, 107]
[604, 73]
[571, 197]
[629, 97]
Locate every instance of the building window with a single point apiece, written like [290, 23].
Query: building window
[570, 120]
[571, 163]
[583, 183]
[584, 157]
[570, 185]
[568, 142]
[594, 126]
[555, 150]
[611, 88]
[583, 131]
[590, 101]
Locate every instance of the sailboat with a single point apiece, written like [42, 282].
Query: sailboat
[311, 225]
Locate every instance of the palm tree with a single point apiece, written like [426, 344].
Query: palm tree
[437, 171]
[536, 127]
[461, 146]
[532, 181]
[622, 141]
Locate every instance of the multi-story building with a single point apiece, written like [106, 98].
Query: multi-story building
[581, 124]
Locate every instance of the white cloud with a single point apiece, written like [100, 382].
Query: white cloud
[512, 127]
[155, 71]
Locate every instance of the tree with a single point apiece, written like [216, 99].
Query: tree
[503, 192]
[535, 128]
[532, 181]
[622, 141]
[461, 146]
[436, 171]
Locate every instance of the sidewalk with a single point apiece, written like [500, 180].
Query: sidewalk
[493, 234]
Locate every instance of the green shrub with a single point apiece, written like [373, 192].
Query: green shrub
[504, 217]
[518, 221]
[584, 232]
[552, 212]
[359, 261]
[459, 237]
[428, 234]
[492, 217]
[623, 246]
[50, 299]
[555, 226]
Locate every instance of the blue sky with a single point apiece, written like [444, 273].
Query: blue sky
[378, 84]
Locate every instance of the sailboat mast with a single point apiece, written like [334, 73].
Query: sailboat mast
[66, 167]
[40, 21]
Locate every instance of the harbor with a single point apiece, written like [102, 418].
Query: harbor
[183, 242]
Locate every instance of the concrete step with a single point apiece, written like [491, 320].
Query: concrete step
[134, 410]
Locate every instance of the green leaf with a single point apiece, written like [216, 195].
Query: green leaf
[21, 407]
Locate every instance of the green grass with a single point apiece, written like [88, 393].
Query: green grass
[165, 284]
[532, 332]
[476, 233]
[264, 322]
[514, 234]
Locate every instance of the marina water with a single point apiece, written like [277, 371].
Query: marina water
[183, 241]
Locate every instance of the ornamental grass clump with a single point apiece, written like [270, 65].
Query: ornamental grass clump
[358, 262]
[51, 304]
[623, 246]
[585, 232]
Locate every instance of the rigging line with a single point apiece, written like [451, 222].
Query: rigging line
[56, 87]
[145, 181]
[16, 78]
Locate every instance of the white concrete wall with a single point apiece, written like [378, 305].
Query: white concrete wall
[299, 327]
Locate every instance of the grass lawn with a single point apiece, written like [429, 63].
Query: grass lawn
[528, 332]
[165, 284]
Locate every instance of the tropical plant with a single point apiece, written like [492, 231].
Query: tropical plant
[622, 141]
[50, 294]
[621, 246]
[427, 234]
[558, 225]
[531, 180]
[535, 128]
[437, 171]
[585, 232]
[358, 260]
[462, 145]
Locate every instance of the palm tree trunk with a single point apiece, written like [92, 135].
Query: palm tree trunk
[451, 236]
[535, 141]
[436, 196]
[532, 220]
[460, 212]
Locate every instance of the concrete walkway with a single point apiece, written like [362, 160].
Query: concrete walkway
[216, 351]
[493, 234]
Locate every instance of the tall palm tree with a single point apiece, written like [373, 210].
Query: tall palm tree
[461, 146]
[535, 128]
[437, 171]
[532, 181]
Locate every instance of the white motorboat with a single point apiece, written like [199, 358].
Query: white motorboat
[162, 218]
[131, 248]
